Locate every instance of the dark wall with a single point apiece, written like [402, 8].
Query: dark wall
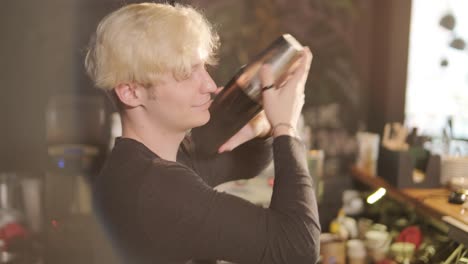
[42, 49]
[390, 42]
[36, 59]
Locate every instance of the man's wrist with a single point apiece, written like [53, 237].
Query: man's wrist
[282, 129]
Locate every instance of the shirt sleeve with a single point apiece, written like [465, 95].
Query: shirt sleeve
[244, 162]
[186, 219]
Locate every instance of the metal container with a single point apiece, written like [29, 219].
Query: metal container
[241, 98]
[10, 191]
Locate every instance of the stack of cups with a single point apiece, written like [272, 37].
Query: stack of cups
[402, 251]
[356, 251]
[378, 244]
[332, 249]
[364, 225]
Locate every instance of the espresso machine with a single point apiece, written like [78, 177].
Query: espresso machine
[77, 142]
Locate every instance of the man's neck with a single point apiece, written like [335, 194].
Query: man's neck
[161, 141]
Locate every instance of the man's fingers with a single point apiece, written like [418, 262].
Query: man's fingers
[218, 90]
[232, 143]
[308, 60]
[245, 134]
[266, 76]
[303, 70]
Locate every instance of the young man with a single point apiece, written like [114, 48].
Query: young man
[155, 195]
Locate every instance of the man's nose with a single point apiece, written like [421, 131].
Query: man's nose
[209, 85]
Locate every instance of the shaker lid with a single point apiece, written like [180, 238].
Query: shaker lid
[280, 55]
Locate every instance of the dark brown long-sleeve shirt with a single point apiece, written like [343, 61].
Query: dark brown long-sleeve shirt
[164, 212]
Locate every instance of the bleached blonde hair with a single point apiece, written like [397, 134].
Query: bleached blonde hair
[138, 42]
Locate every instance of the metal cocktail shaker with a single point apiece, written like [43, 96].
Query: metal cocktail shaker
[241, 98]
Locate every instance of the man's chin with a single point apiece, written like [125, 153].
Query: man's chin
[202, 122]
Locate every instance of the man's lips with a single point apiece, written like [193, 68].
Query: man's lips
[204, 103]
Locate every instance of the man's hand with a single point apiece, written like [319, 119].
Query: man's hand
[257, 127]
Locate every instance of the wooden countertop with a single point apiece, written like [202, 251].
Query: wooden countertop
[432, 201]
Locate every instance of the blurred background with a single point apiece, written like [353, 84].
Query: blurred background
[375, 63]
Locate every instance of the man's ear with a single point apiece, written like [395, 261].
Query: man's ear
[129, 94]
